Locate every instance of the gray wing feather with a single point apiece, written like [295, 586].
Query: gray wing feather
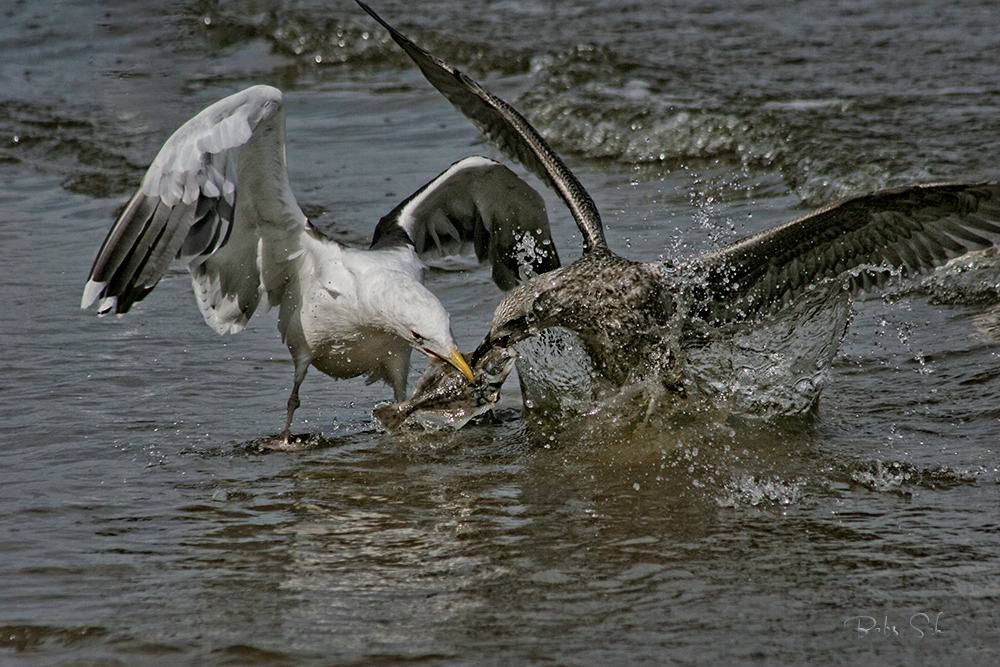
[186, 210]
[480, 203]
[903, 231]
[509, 131]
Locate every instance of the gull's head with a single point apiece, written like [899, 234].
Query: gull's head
[414, 314]
[521, 314]
[551, 299]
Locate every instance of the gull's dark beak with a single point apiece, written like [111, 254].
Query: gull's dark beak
[483, 348]
[490, 343]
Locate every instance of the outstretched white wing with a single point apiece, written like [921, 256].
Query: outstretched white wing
[216, 198]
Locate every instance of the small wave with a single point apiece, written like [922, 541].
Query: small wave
[587, 101]
[23, 638]
[628, 133]
[972, 279]
[315, 37]
[591, 100]
[304, 36]
[69, 143]
[625, 122]
[835, 104]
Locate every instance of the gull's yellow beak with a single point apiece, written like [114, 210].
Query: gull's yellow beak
[458, 361]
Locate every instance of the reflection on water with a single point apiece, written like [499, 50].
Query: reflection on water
[140, 524]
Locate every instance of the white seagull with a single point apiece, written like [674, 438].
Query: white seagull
[217, 200]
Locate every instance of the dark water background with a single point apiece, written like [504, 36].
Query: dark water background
[137, 527]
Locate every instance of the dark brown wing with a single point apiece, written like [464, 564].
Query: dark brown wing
[904, 231]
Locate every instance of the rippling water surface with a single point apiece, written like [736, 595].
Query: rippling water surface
[140, 525]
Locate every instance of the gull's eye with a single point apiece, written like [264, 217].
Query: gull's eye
[417, 337]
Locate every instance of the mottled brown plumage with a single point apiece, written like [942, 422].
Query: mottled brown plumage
[632, 316]
[611, 302]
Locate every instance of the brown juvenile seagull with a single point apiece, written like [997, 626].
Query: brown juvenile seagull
[622, 309]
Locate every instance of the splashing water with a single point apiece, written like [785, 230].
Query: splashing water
[777, 367]
[767, 369]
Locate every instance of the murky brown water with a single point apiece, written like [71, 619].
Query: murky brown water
[138, 524]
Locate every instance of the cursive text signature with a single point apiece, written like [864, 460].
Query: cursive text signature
[919, 626]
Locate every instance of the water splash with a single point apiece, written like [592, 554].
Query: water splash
[756, 491]
[555, 373]
[900, 477]
[779, 366]
[771, 368]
